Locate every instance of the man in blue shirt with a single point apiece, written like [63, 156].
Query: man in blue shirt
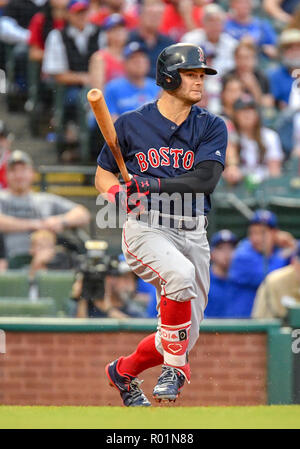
[255, 257]
[222, 245]
[134, 89]
[148, 33]
[242, 24]
[281, 78]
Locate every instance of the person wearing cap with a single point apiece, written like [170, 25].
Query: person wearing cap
[242, 24]
[258, 150]
[5, 146]
[108, 62]
[108, 7]
[67, 51]
[213, 39]
[281, 78]
[135, 88]
[222, 245]
[23, 211]
[148, 34]
[265, 249]
[280, 290]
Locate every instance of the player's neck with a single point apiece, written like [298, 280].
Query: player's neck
[173, 108]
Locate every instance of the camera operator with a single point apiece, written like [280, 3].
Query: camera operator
[97, 289]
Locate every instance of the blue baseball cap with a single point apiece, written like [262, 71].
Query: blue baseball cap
[265, 217]
[112, 21]
[78, 5]
[134, 47]
[223, 236]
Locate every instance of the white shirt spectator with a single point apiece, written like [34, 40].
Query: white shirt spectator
[250, 158]
[55, 59]
[223, 50]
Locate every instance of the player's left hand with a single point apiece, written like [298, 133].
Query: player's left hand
[142, 186]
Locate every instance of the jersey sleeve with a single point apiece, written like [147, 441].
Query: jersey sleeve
[106, 159]
[213, 144]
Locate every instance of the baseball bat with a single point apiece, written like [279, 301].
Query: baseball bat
[105, 123]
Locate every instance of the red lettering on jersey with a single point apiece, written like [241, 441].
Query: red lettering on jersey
[163, 151]
[141, 157]
[188, 160]
[153, 157]
[176, 153]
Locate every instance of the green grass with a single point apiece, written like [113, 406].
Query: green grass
[268, 417]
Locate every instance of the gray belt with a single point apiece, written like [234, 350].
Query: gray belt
[155, 218]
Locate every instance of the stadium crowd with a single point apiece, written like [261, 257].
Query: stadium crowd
[59, 49]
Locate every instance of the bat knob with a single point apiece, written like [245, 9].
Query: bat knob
[94, 95]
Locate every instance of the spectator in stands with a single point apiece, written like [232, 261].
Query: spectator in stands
[181, 16]
[46, 255]
[288, 128]
[5, 146]
[16, 18]
[280, 290]
[281, 10]
[108, 63]
[255, 257]
[23, 211]
[148, 33]
[3, 261]
[134, 89]
[232, 89]
[241, 23]
[282, 78]
[222, 246]
[110, 7]
[213, 39]
[254, 81]
[258, 149]
[51, 17]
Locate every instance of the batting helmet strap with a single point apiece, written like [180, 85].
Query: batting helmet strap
[179, 56]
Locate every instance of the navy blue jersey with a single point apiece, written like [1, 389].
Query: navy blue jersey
[153, 146]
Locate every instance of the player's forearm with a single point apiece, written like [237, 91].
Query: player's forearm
[105, 180]
[202, 180]
[13, 224]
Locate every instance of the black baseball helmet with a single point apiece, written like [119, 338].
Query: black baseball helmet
[179, 56]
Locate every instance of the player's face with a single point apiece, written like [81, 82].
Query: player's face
[20, 178]
[262, 238]
[192, 84]
[222, 255]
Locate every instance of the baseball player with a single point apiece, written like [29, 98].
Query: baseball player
[170, 147]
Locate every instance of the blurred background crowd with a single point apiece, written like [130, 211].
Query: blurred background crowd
[52, 259]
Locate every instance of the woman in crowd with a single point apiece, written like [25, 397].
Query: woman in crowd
[256, 150]
[107, 63]
[52, 17]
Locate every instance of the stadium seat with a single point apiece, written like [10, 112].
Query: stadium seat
[14, 283]
[58, 285]
[25, 307]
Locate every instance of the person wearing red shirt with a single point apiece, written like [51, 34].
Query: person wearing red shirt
[5, 144]
[115, 7]
[52, 17]
[181, 16]
[108, 63]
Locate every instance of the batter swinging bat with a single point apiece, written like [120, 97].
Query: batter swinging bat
[105, 123]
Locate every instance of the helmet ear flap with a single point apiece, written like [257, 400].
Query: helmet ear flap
[175, 80]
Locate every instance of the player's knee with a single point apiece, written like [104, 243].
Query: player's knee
[181, 277]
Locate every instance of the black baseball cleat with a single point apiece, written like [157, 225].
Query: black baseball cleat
[128, 386]
[168, 385]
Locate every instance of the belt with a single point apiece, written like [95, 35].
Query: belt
[173, 222]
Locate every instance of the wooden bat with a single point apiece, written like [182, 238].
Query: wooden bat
[105, 123]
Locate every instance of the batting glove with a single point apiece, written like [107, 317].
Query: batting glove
[132, 195]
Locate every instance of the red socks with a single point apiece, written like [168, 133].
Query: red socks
[175, 329]
[146, 356]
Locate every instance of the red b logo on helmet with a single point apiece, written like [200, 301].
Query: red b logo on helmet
[201, 55]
